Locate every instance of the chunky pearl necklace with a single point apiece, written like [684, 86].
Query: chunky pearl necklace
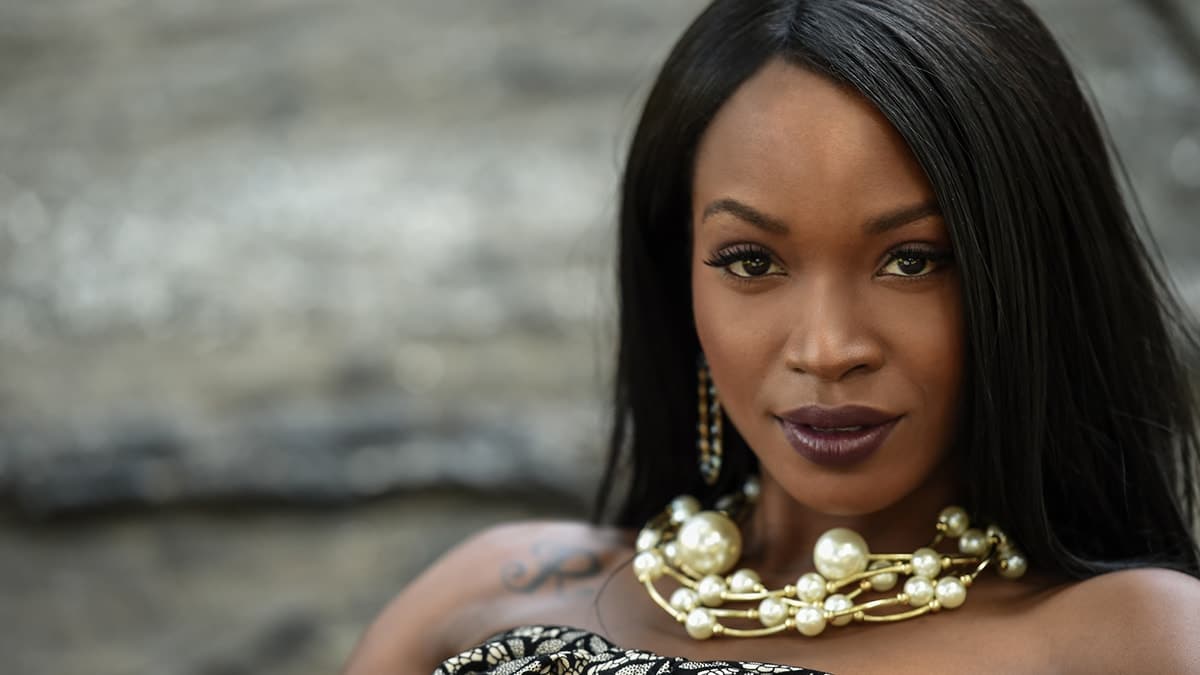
[697, 548]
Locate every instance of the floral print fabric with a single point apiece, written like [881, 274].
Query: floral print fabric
[545, 650]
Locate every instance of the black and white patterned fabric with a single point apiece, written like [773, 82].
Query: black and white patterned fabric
[546, 650]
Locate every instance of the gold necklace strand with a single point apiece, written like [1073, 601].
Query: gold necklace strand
[697, 548]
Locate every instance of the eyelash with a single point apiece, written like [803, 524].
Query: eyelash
[727, 257]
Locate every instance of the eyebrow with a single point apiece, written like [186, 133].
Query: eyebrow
[877, 225]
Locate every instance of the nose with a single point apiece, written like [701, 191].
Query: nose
[831, 337]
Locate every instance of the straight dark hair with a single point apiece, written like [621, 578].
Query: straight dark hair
[1078, 430]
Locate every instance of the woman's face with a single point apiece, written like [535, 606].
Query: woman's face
[825, 296]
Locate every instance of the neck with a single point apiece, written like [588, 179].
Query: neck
[782, 532]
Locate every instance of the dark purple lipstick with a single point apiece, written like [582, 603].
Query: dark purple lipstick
[836, 436]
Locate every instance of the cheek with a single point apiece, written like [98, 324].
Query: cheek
[738, 335]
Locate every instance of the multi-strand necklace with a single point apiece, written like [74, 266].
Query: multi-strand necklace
[851, 584]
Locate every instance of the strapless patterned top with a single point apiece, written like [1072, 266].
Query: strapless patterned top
[557, 650]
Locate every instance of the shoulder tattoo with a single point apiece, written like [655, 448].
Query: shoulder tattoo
[553, 564]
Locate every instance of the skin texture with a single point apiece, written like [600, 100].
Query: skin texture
[828, 319]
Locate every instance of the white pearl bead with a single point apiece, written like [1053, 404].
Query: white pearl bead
[710, 589]
[751, 488]
[685, 599]
[840, 553]
[648, 565]
[837, 603]
[885, 581]
[927, 563]
[1014, 566]
[811, 587]
[709, 543]
[973, 542]
[810, 621]
[772, 612]
[950, 592]
[700, 624]
[744, 581]
[683, 507]
[648, 539]
[670, 551]
[919, 591]
[955, 519]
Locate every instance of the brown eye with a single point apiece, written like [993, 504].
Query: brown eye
[746, 262]
[913, 264]
[752, 267]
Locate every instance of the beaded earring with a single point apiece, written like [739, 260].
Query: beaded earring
[710, 437]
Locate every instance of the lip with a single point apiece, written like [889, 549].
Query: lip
[826, 436]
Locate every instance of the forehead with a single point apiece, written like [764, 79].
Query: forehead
[800, 146]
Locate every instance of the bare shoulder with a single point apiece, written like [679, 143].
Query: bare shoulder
[466, 594]
[1138, 620]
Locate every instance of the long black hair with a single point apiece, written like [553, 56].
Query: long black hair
[1079, 427]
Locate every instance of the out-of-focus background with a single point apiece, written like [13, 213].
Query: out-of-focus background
[296, 293]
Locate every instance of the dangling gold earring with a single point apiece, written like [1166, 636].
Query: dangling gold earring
[710, 437]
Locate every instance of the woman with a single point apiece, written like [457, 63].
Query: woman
[882, 242]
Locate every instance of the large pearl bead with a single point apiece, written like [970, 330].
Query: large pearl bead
[838, 603]
[648, 565]
[810, 621]
[950, 592]
[955, 519]
[919, 591]
[700, 624]
[927, 563]
[772, 612]
[840, 553]
[811, 587]
[709, 543]
[710, 590]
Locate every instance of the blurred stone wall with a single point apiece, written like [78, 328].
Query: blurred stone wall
[296, 293]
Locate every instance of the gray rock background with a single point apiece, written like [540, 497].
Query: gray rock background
[292, 290]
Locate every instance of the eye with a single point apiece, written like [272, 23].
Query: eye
[745, 261]
[915, 263]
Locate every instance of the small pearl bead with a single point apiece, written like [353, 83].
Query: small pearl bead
[927, 563]
[685, 599]
[919, 591]
[811, 587]
[670, 551]
[840, 553]
[710, 590]
[882, 582]
[810, 621]
[684, 507]
[950, 592]
[837, 603]
[772, 612]
[1013, 567]
[648, 539]
[743, 581]
[648, 565]
[973, 542]
[700, 624]
[751, 488]
[955, 519]
[709, 543]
